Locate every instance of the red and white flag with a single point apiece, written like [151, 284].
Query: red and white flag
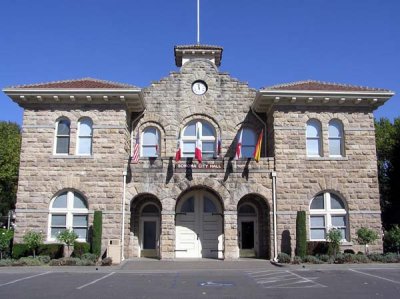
[197, 151]
[178, 154]
[136, 149]
[239, 146]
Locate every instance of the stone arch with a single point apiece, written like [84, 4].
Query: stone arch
[259, 190]
[325, 184]
[145, 123]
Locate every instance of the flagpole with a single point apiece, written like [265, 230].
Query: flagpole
[198, 22]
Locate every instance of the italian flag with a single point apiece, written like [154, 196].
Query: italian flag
[197, 151]
[178, 154]
[239, 146]
[257, 151]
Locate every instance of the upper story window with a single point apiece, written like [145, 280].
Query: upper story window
[327, 211]
[249, 140]
[68, 210]
[85, 136]
[62, 136]
[202, 131]
[336, 144]
[314, 138]
[150, 142]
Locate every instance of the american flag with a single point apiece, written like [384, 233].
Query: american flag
[136, 149]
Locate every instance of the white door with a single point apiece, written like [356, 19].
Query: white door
[199, 227]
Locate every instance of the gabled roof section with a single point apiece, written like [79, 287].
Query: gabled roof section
[313, 85]
[83, 83]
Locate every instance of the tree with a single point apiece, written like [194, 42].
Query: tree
[33, 240]
[334, 236]
[301, 234]
[366, 236]
[10, 137]
[392, 237]
[67, 237]
[5, 237]
[97, 232]
[388, 153]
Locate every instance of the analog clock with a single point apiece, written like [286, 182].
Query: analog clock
[199, 87]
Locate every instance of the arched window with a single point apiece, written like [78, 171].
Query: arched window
[68, 210]
[62, 136]
[327, 211]
[85, 135]
[249, 140]
[150, 142]
[199, 130]
[314, 138]
[335, 130]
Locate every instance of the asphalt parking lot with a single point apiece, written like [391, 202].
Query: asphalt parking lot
[190, 280]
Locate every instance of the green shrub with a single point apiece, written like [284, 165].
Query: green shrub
[360, 259]
[301, 234]
[317, 247]
[311, 259]
[326, 258]
[33, 239]
[376, 257]
[97, 233]
[28, 261]
[283, 258]
[80, 248]
[392, 239]
[20, 250]
[6, 236]
[52, 250]
[6, 262]
[391, 257]
[89, 256]
[85, 262]
[45, 259]
[106, 261]
[65, 261]
[366, 236]
[334, 236]
[297, 260]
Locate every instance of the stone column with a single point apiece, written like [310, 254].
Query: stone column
[167, 235]
[231, 235]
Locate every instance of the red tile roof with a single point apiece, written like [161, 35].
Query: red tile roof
[84, 83]
[321, 86]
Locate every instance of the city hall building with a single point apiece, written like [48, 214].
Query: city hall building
[132, 153]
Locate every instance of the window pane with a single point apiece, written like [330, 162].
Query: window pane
[149, 151]
[335, 129]
[207, 130]
[313, 147]
[85, 145]
[190, 130]
[248, 137]
[188, 206]
[85, 127]
[318, 202]
[81, 232]
[317, 221]
[209, 206]
[58, 220]
[335, 148]
[246, 209]
[79, 202]
[336, 202]
[208, 146]
[318, 234]
[62, 146]
[150, 136]
[338, 221]
[80, 220]
[60, 202]
[247, 151]
[189, 147]
[63, 127]
[56, 230]
[313, 128]
[343, 232]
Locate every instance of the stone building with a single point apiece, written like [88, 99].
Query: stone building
[92, 145]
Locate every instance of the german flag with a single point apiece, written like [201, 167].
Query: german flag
[257, 151]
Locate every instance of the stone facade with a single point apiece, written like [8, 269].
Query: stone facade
[110, 179]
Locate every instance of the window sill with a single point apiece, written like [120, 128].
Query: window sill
[327, 158]
[72, 157]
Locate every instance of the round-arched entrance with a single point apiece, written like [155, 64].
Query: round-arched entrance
[253, 227]
[199, 226]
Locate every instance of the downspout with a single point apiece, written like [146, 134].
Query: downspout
[273, 176]
[124, 175]
[265, 129]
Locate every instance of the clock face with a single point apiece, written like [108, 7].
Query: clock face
[199, 87]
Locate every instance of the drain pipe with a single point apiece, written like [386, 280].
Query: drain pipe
[265, 129]
[123, 216]
[273, 176]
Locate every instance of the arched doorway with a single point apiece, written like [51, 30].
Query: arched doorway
[145, 225]
[253, 227]
[198, 226]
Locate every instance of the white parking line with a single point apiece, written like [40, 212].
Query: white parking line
[94, 281]
[25, 278]
[308, 280]
[376, 276]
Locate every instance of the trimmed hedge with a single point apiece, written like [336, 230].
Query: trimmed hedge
[97, 232]
[54, 251]
[301, 234]
[317, 247]
[80, 248]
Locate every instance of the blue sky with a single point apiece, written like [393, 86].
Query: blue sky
[265, 42]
